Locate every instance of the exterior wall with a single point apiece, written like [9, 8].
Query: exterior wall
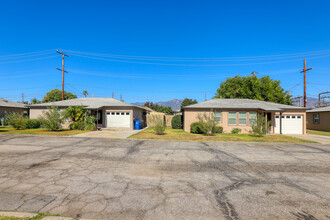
[8, 110]
[296, 112]
[35, 113]
[190, 116]
[324, 124]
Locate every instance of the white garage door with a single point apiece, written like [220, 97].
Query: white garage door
[118, 119]
[291, 124]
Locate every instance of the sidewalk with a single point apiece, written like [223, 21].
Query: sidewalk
[312, 137]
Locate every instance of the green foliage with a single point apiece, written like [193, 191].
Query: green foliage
[51, 119]
[16, 119]
[159, 108]
[252, 87]
[85, 93]
[218, 130]
[177, 122]
[77, 125]
[75, 113]
[198, 128]
[209, 122]
[35, 101]
[187, 102]
[89, 123]
[236, 130]
[158, 124]
[261, 126]
[32, 123]
[56, 95]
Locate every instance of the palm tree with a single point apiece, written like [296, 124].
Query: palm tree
[85, 93]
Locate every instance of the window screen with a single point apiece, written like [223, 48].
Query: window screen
[242, 118]
[252, 117]
[217, 117]
[232, 118]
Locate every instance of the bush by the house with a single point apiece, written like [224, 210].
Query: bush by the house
[16, 119]
[32, 123]
[198, 128]
[89, 123]
[177, 122]
[209, 122]
[51, 119]
[236, 130]
[260, 127]
[218, 130]
[77, 125]
[158, 124]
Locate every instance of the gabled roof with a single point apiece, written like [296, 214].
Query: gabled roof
[89, 103]
[322, 109]
[243, 104]
[11, 104]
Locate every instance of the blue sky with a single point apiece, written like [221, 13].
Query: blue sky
[156, 38]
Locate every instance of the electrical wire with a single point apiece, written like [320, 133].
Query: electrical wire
[29, 53]
[28, 60]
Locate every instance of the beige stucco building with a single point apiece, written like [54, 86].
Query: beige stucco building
[110, 112]
[241, 113]
[319, 119]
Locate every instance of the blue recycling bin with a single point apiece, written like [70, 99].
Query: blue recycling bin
[137, 124]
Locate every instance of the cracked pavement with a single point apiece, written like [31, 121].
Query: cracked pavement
[139, 179]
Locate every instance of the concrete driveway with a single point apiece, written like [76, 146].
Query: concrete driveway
[135, 179]
[109, 133]
[312, 137]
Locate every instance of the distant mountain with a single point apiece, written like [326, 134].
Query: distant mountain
[311, 102]
[175, 104]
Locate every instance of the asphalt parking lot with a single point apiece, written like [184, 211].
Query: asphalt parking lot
[136, 179]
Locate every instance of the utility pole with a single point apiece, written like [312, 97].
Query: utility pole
[254, 73]
[63, 71]
[304, 71]
[23, 97]
[205, 96]
[113, 94]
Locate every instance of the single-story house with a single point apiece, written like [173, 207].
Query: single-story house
[110, 112]
[241, 113]
[7, 107]
[319, 119]
[150, 111]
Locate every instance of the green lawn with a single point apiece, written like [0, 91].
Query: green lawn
[37, 217]
[324, 133]
[179, 134]
[63, 132]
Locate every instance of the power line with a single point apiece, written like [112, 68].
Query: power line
[17, 61]
[28, 53]
[31, 55]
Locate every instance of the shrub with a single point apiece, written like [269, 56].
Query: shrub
[177, 122]
[260, 127]
[236, 130]
[209, 122]
[32, 123]
[89, 123]
[51, 119]
[77, 125]
[198, 128]
[158, 124]
[17, 120]
[218, 130]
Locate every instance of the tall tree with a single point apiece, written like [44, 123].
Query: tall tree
[35, 101]
[56, 95]
[85, 93]
[187, 102]
[252, 87]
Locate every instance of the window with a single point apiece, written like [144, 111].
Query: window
[316, 119]
[117, 113]
[253, 117]
[293, 116]
[282, 117]
[127, 113]
[288, 116]
[112, 113]
[123, 113]
[298, 116]
[242, 118]
[232, 118]
[217, 117]
[277, 116]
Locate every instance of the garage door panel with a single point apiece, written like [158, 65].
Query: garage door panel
[118, 119]
[291, 124]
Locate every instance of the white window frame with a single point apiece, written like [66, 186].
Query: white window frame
[242, 118]
[252, 119]
[217, 118]
[232, 118]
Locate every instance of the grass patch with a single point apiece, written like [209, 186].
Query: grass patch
[63, 132]
[324, 133]
[180, 135]
[37, 217]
